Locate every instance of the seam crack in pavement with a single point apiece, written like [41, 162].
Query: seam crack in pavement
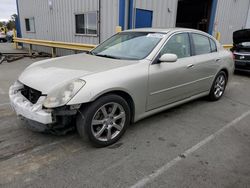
[165, 167]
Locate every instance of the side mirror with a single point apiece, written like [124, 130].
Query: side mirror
[168, 58]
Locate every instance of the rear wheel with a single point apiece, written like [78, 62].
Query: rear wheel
[104, 121]
[218, 87]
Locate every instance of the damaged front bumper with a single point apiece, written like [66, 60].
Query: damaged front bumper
[23, 107]
[58, 120]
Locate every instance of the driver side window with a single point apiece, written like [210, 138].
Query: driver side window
[178, 44]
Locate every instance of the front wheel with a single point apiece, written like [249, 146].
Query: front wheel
[218, 87]
[104, 121]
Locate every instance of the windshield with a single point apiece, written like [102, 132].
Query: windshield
[128, 45]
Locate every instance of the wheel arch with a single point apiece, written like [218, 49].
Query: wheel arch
[124, 94]
[226, 72]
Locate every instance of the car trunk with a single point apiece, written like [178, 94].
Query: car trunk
[239, 37]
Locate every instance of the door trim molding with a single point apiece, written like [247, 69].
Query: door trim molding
[181, 85]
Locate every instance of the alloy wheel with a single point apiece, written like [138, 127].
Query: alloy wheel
[108, 121]
[219, 86]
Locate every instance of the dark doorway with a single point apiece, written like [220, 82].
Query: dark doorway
[194, 14]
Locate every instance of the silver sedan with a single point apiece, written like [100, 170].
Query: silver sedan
[130, 76]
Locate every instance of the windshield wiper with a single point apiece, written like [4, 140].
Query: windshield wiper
[107, 56]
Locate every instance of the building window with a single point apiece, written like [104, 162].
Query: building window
[30, 24]
[86, 23]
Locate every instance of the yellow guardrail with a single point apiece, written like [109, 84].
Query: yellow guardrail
[227, 46]
[54, 45]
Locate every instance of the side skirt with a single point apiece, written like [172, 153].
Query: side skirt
[160, 109]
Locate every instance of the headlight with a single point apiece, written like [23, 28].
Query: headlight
[62, 95]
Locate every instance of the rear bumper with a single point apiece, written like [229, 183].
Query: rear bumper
[242, 65]
[242, 70]
[26, 109]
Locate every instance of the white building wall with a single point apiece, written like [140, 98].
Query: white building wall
[248, 19]
[231, 15]
[109, 18]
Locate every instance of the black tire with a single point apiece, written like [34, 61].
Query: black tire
[212, 96]
[87, 113]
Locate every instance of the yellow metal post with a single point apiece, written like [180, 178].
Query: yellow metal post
[218, 35]
[118, 29]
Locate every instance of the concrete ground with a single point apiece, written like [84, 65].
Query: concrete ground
[199, 144]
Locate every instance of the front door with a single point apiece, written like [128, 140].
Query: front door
[171, 82]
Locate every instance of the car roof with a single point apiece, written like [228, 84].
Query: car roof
[163, 30]
[170, 30]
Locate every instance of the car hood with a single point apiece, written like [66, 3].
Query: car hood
[47, 74]
[241, 36]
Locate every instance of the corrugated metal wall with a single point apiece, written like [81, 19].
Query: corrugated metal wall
[109, 18]
[248, 20]
[58, 23]
[231, 15]
[164, 11]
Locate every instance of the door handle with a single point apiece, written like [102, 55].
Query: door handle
[217, 60]
[190, 66]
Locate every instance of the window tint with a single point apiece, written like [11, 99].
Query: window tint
[213, 46]
[178, 44]
[201, 44]
[86, 23]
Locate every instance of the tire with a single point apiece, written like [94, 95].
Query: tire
[219, 85]
[104, 121]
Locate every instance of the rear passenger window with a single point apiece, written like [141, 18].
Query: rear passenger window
[178, 44]
[201, 44]
[213, 45]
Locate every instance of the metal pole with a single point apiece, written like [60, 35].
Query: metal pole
[99, 21]
[30, 49]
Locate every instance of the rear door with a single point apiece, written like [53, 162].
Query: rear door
[207, 61]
